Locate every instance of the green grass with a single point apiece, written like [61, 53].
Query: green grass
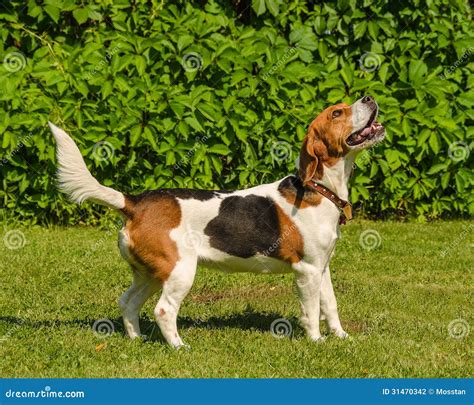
[396, 302]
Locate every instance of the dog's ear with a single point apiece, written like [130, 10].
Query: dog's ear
[312, 155]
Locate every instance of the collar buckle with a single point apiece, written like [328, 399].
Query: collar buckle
[344, 206]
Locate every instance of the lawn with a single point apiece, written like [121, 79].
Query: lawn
[396, 301]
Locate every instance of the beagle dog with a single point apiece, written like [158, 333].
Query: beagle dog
[290, 225]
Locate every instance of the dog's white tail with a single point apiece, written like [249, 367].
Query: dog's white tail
[74, 177]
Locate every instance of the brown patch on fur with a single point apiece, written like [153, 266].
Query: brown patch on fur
[292, 190]
[324, 143]
[128, 209]
[162, 312]
[291, 245]
[151, 219]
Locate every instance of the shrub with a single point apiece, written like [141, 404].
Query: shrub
[217, 94]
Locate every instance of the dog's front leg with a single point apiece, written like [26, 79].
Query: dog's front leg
[308, 282]
[329, 305]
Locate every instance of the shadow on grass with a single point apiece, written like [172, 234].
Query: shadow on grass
[249, 320]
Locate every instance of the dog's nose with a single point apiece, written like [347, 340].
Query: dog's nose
[367, 99]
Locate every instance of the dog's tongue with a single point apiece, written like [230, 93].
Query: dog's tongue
[367, 131]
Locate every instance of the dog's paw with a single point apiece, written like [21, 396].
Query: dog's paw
[318, 339]
[342, 334]
[182, 346]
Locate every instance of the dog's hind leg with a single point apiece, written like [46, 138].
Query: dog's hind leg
[133, 300]
[175, 289]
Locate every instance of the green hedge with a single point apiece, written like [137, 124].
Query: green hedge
[218, 94]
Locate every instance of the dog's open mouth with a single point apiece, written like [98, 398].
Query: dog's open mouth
[371, 130]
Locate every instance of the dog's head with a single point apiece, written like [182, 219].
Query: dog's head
[335, 132]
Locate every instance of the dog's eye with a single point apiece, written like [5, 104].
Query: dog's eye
[336, 113]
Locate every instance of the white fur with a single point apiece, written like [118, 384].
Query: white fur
[74, 177]
[361, 113]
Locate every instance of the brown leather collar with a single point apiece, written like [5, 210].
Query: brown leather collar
[343, 205]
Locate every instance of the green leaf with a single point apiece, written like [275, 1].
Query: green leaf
[272, 6]
[81, 15]
[436, 168]
[258, 6]
[194, 123]
[417, 70]
[219, 149]
[53, 12]
[434, 142]
[140, 63]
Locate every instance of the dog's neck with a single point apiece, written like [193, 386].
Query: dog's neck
[336, 177]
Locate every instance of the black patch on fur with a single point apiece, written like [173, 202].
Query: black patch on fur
[182, 193]
[294, 185]
[245, 226]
